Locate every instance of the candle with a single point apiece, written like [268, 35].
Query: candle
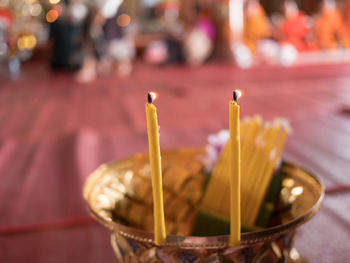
[218, 188]
[156, 170]
[235, 172]
[223, 203]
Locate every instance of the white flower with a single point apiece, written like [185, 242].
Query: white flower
[215, 144]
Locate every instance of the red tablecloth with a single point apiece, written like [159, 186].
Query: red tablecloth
[55, 132]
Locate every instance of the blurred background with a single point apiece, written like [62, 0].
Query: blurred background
[99, 37]
[74, 77]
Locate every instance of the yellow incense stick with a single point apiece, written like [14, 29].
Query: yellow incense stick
[249, 145]
[156, 171]
[270, 166]
[253, 161]
[260, 147]
[258, 171]
[219, 180]
[235, 172]
[263, 155]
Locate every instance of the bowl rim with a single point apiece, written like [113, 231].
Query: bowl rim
[218, 241]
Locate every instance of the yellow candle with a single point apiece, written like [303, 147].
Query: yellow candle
[235, 173]
[156, 171]
[223, 203]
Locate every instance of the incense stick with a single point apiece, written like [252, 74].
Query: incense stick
[261, 145]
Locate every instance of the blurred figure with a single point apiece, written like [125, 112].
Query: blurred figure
[65, 33]
[256, 25]
[168, 49]
[93, 45]
[329, 29]
[120, 47]
[193, 45]
[107, 45]
[295, 28]
[199, 41]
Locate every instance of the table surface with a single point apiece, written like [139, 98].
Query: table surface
[54, 132]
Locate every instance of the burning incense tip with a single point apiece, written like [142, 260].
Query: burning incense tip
[152, 96]
[237, 94]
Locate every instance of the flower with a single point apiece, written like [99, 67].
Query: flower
[215, 144]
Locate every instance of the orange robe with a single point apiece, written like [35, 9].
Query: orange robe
[329, 30]
[294, 30]
[256, 27]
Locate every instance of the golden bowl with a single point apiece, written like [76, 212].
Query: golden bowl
[119, 196]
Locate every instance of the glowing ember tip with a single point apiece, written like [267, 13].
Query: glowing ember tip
[237, 94]
[152, 96]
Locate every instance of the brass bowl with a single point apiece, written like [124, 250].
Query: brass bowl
[118, 195]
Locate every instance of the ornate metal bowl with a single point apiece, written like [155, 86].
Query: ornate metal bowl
[118, 195]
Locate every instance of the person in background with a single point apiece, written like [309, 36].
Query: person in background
[93, 41]
[120, 46]
[106, 42]
[192, 46]
[199, 40]
[295, 28]
[92, 44]
[329, 29]
[169, 48]
[65, 33]
[256, 25]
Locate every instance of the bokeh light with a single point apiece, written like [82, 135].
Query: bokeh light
[31, 42]
[21, 43]
[54, 2]
[51, 15]
[35, 9]
[58, 8]
[123, 20]
[26, 42]
[25, 10]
